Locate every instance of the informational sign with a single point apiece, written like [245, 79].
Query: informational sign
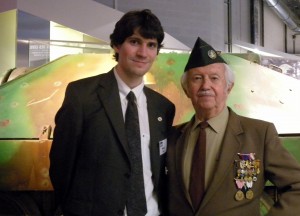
[39, 52]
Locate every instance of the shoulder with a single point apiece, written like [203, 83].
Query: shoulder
[92, 79]
[84, 82]
[90, 83]
[179, 129]
[236, 117]
[252, 121]
[248, 124]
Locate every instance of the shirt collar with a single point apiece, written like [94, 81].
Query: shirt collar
[217, 123]
[124, 89]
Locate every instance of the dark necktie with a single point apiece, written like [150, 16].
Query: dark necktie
[197, 176]
[136, 204]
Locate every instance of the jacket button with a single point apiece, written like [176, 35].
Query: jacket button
[120, 212]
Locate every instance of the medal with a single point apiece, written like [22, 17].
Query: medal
[239, 183]
[242, 164]
[249, 194]
[249, 183]
[256, 166]
[247, 170]
[239, 196]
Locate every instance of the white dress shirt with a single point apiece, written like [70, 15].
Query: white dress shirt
[151, 198]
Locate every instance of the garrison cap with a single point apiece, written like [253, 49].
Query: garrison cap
[202, 54]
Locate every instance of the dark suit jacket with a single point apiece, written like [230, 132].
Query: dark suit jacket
[89, 164]
[242, 135]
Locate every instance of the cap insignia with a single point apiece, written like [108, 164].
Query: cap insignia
[212, 54]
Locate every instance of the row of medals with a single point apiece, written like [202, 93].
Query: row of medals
[247, 170]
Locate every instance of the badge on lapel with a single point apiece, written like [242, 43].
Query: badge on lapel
[162, 147]
[247, 170]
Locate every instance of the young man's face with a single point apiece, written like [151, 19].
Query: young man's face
[136, 56]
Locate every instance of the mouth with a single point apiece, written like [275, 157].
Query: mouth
[140, 62]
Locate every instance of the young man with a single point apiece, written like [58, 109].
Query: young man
[239, 154]
[92, 162]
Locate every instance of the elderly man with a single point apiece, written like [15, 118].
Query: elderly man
[219, 162]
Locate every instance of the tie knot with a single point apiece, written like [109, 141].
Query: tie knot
[203, 124]
[130, 96]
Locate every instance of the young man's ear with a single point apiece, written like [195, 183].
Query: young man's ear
[116, 48]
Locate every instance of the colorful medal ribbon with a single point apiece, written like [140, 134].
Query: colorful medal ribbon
[247, 170]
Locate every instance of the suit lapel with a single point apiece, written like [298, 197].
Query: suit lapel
[155, 130]
[230, 146]
[109, 95]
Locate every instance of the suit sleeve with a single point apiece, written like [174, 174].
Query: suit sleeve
[283, 170]
[67, 134]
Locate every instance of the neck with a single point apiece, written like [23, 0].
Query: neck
[204, 115]
[131, 81]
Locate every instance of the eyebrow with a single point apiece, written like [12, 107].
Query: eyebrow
[137, 37]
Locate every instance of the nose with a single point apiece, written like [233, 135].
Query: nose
[205, 83]
[142, 50]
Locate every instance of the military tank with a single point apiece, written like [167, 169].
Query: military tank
[29, 102]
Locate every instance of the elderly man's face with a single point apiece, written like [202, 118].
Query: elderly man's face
[207, 89]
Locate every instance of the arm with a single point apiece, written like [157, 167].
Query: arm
[67, 135]
[283, 171]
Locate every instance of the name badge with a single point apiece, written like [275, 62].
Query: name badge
[162, 146]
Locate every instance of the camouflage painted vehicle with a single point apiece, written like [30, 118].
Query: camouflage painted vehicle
[29, 103]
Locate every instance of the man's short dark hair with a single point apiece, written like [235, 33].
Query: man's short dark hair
[144, 21]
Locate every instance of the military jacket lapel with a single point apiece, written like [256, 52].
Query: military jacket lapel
[180, 150]
[231, 145]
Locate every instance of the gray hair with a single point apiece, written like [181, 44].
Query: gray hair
[229, 75]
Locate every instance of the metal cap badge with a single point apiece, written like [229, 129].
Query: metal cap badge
[202, 54]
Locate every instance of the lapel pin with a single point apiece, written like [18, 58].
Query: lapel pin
[159, 118]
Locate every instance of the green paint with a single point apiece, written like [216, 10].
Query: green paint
[8, 150]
